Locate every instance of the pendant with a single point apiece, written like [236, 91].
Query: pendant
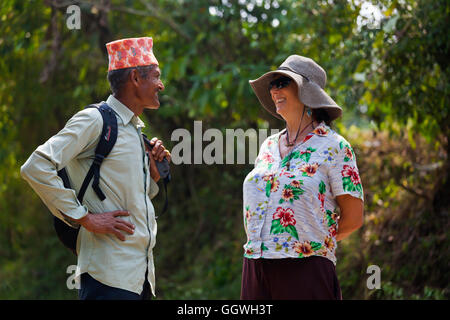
[288, 165]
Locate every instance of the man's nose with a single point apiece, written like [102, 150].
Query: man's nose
[161, 86]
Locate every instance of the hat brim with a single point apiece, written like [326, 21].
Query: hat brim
[309, 93]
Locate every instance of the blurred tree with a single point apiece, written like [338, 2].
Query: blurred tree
[394, 74]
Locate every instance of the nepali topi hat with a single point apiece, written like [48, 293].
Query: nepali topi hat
[310, 78]
[130, 52]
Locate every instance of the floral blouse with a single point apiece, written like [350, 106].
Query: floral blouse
[290, 210]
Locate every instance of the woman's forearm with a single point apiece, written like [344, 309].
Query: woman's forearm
[347, 225]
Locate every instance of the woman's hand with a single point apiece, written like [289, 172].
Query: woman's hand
[351, 218]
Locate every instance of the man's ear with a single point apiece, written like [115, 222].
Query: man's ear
[134, 77]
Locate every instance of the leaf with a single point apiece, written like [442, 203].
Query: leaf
[315, 245]
[305, 156]
[268, 187]
[276, 227]
[292, 231]
[347, 184]
[322, 187]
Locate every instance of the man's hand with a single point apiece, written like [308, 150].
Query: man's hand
[157, 153]
[107, 223]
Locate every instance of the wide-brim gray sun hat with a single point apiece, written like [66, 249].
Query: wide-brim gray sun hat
[310, 78]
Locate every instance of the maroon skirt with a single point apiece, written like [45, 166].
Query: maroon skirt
[312, 278]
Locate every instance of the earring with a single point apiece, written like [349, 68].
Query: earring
[308, 112]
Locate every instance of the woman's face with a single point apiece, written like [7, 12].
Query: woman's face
[286, 100]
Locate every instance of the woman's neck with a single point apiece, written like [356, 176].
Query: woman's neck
[293, 126]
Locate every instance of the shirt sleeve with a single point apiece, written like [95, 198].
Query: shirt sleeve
[81, 133]
[343, 172]
[153, 190]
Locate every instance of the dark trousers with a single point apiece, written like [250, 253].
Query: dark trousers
[91, 289]
[312, 278]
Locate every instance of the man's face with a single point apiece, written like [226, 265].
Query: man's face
[149, 88]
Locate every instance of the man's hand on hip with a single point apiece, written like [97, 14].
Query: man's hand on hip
[107, 223]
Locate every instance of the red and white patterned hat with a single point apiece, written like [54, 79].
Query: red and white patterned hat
[131, 52]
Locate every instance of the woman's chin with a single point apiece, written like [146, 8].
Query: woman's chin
[281, 110]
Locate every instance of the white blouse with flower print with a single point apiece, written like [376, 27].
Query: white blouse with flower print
[290, 208]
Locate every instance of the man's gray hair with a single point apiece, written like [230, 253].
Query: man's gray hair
[117, 78]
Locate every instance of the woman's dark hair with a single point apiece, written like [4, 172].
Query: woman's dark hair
[321, 115]
[117, 78]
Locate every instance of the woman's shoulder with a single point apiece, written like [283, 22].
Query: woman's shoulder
[334, 139]
[272, 139]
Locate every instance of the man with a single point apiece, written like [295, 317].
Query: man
[117, 235]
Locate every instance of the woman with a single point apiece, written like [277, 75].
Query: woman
[302, 176]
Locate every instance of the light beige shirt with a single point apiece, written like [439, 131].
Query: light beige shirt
[125, 181]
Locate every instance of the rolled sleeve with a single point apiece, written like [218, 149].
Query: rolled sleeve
[82, 131]
[344, 174]
[154, 189]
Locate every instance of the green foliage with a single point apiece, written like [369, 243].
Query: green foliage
[391, 80]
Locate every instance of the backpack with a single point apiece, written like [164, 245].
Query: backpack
[68, 235]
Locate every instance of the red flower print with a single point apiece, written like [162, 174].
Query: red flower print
[321, 198]
[268, 176]
[286, 216]
[115, 46]
[321, 131]
[287, 194]
[146, 59]
[247, 214]
[267, 157]
[127, 43]
[287, 174]
[149, 43]
[141, 42]
[304, 248]
[119, 64]
[309, 169]
[274, 187]
[334, 216]
[133, 61]
[296, 184]
[348, 153]
[352, 173]
[309, 136]
[332, 230]
[329, 244]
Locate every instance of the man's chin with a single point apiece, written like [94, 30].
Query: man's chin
[152, 106]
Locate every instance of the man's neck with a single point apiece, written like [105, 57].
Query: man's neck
[130, 104]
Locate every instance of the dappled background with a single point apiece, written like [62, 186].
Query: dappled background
[388, 67]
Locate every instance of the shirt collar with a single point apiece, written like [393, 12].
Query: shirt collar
[124, 112]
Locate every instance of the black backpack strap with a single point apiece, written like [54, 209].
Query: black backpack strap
[166, 202]
[107, 140]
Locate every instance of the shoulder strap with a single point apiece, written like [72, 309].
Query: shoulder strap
[107, 140]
